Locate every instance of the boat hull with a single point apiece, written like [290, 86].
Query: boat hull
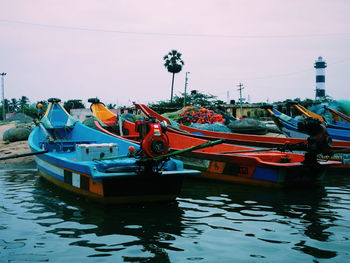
[119, 189]
[238, 170]
[235, 163]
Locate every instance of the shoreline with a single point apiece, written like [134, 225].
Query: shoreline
[12, 148]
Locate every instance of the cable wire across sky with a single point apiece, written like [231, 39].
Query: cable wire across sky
[346, 34]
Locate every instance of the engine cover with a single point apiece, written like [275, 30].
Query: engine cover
[154, 141]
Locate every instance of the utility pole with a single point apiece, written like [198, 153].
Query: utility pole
[186, 79]
[3, 96]
[240, 85]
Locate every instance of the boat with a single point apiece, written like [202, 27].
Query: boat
[234, 138]
[337, 115]
[236, 163]
[98, 166]
[309, 114]
[289, 126]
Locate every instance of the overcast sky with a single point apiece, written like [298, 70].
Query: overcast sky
[113, 49]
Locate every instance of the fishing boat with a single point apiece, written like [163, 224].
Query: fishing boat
[337, 115]
[309, 114]
[289, 126]
[235, 163]
[98, 166]
[233, 138]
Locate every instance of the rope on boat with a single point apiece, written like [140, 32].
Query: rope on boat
[190, 149]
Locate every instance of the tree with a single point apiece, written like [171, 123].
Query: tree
[111, 106]
[23, 103]
[31, 111]
[173, 64]
[195, 98]
[73, 104]
[13, 105]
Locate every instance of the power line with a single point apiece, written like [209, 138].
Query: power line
[172, 34]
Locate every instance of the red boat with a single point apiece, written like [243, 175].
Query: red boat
[236, 138]
[234, 163]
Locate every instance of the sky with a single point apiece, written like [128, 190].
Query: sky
[113, 49]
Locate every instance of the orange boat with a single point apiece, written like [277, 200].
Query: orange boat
[234, 163]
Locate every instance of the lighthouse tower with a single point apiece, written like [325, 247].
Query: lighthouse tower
[320, 66]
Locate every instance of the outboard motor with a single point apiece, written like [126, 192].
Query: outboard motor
[318, 142]
[153, 138]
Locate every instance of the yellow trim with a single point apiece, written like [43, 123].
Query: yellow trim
[269, 111]
[48, 109]
[307, 112]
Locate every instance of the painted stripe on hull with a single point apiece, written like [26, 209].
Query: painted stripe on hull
[239, 179]
[278, 177]
[73, 181]
[76, 179]
[108, 200]
[85, 186]
[53, 170]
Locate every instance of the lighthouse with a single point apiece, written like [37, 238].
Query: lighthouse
[320, 66]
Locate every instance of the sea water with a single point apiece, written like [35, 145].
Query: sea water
[209, 222]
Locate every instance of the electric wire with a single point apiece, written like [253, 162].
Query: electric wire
[145, 33]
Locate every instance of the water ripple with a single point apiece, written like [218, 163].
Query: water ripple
[209, 222]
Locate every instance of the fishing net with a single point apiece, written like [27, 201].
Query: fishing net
[248, 125]
[342, 106]
[19, 117]
[18, 133]
[172, 115]
[132, 117]
[89, 121]
[174, 124]
[198, 114]
[217, 127]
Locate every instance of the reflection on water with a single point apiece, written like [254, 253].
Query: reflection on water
[210, 222]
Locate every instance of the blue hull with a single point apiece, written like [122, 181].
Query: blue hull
[289, 127]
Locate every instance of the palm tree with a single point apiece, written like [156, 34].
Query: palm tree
[173, 63]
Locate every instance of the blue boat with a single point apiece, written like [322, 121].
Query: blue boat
[289, 127]
[98, 166]
[334, 124]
